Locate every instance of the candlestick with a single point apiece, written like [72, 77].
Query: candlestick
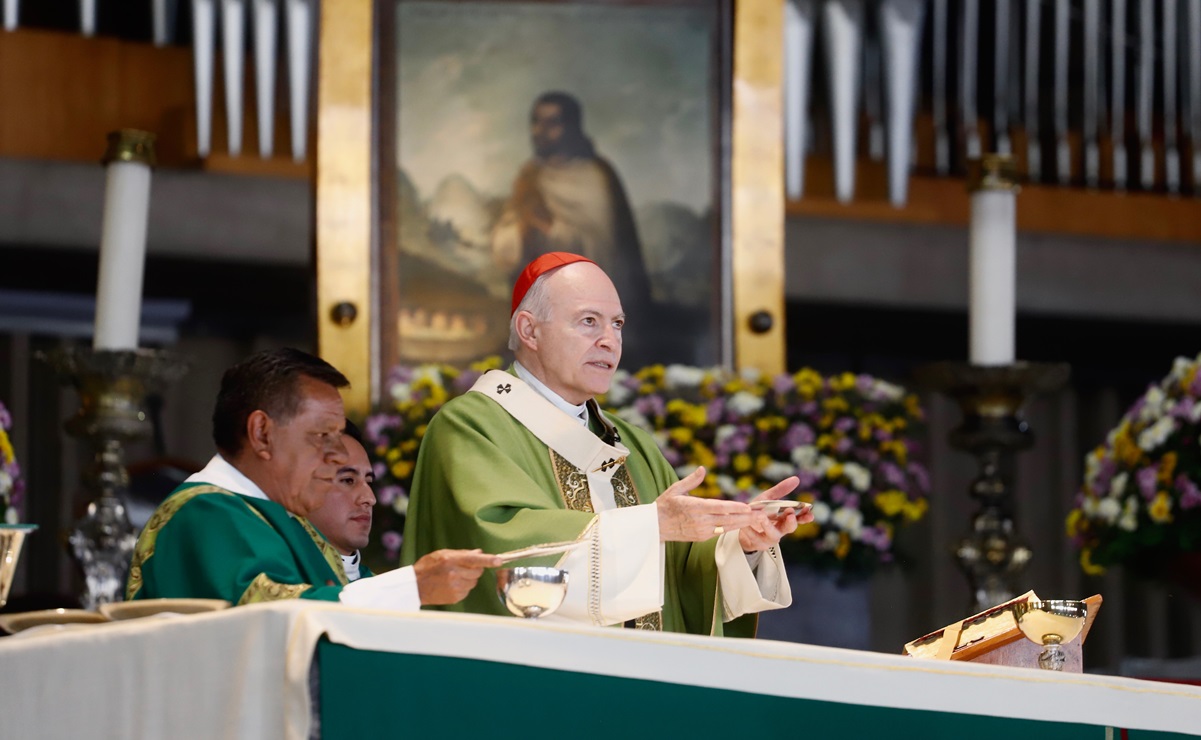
[992, 181]
[129, 157]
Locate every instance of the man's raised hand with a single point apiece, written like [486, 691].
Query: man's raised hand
[686, 518]
[447, 576]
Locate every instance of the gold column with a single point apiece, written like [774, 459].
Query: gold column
[757, 186]
[344, 194]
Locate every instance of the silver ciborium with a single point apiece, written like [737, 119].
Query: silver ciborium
[531, 592]
[1051, 624]
[12, 537]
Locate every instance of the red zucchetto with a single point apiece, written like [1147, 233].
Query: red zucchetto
[538, 267]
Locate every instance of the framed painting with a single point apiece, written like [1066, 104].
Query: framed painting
[504, 129]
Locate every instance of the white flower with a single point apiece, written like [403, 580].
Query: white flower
[1129, 518]
[726, 485]
[682, 376]
[804, 457]
[1194, 414]
[401, 392]
[1180, 367]
[10, 517]
[849, 520]
[683, 471]
[886, 391]
[1153, 403]
[632, 415]
[618, 394]
[824, 463]
[830, 541]
[1109, 509]
[750, 374]
[662, 438]
[821, 512]
[1156, 434]
[6, 482]
[724, 432]
[400, 505]
[428, 372]
[776, 471]
[1090, 506]
[1118, 484]
[744, 403]
[859, 476]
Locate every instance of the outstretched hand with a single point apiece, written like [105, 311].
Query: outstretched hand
[769, 530]
[685, 518]
[447, 576]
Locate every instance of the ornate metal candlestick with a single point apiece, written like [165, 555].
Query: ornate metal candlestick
[112, 387]
[992, 399]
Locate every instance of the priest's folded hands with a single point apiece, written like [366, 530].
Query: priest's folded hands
[687, 518]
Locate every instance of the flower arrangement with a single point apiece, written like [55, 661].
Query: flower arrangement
[1140, 500]
[849, 438]
[12, 488]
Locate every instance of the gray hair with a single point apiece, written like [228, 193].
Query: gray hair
[537, 302]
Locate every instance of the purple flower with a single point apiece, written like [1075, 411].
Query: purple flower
[1146, 478]
[391, 542]
[387, 494]
[377, 424]
[920, 477]
[798, 434]
[466, 379]
[1105, 473]
[1194, 388]
[782, 383]
[839, 494]
[6, 419]
[650, 406]
[714, 410]
[843, 445]
[893, 475]
[845, 424]
[673, 457]
[1190, 496]
[807, 478]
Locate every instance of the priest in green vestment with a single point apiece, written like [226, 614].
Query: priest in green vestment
[345, 517]
[237, 530]
[527, 457]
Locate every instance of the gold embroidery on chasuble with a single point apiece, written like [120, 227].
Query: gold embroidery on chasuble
[332, 557]
[144, 548]
[263, 588]
[573, 485]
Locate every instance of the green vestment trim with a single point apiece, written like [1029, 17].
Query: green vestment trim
[484, 480]
[207, 542]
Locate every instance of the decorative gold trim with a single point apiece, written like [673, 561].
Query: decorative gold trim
[993, 172]
[143, 550]
[652, 622]
[624, 491]
[757, 184]
[573, 483]
[263, 588]
[333, 558]
[344, 195]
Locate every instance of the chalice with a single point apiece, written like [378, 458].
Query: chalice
[12, 537]
[1051, 624]
[531, 592]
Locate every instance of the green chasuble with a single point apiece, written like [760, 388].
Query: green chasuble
[484, 480]
[207, 542]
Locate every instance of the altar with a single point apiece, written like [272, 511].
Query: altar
[246, 672]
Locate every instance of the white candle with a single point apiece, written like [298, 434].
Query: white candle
[993, 262]
[123, 241]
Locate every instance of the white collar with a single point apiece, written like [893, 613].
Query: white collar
[580, 412]
[223, 475]
[350, 564]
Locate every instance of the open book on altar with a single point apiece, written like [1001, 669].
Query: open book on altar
[993, 636]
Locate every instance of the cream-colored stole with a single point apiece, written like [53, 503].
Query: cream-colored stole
[591, 474]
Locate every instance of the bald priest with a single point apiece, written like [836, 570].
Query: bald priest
[527, 457]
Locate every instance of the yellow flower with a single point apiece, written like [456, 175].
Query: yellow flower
[834, 471]
[681, 435]
[844, 546]
[806, 531]
[745, 483]
[6, 448]
[742, 462]
[707, 489]
[825, 442]
[402, 469]
[1160, 509]
[392, 455]
[891, 502]
[409, 446]
[836, 405]
[771, 423]
[915, 510]
[1073, 522]
[1087, 564]
[419, 432]
[762, 462]
[703, 456]
[733, 386]
[1167, 467]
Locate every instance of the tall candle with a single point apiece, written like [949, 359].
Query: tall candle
[129, 158]
[993, 260]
